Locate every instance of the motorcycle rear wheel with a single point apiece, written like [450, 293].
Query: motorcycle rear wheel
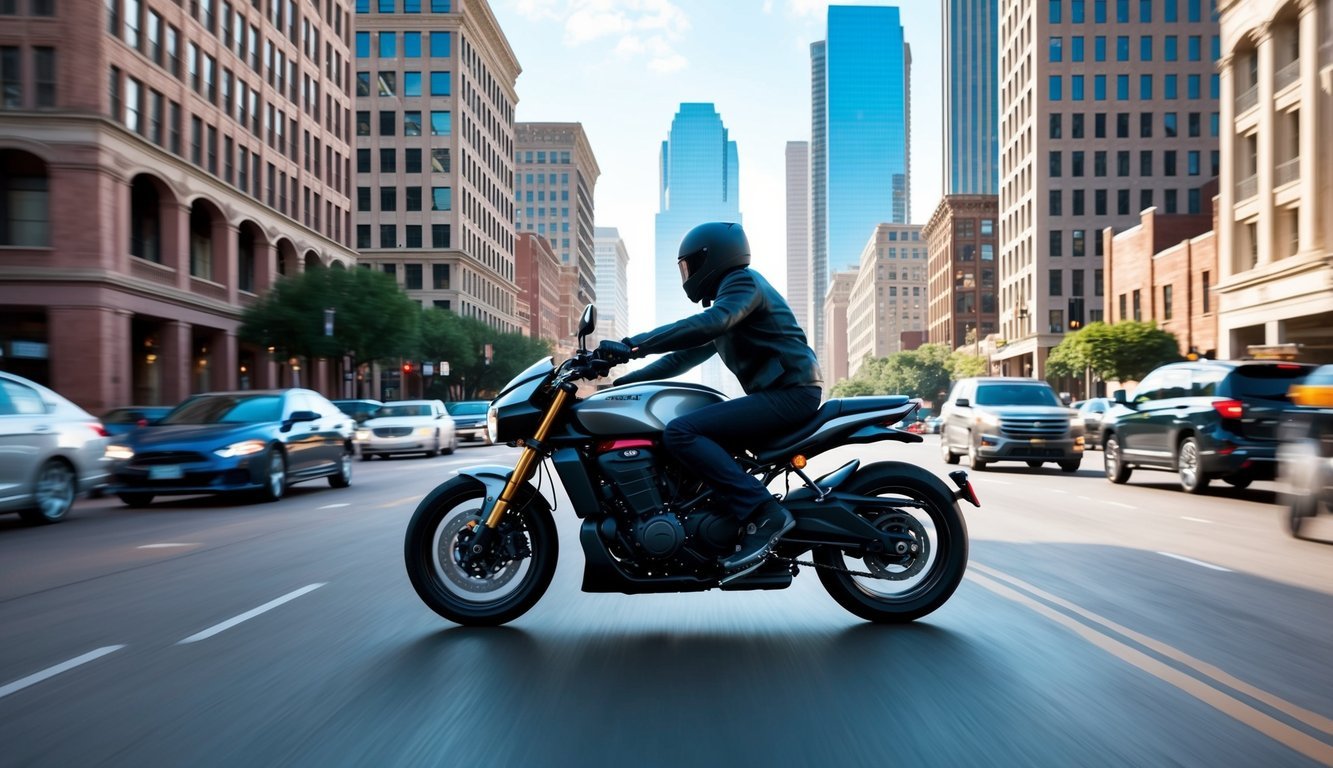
[446, 587]
[910, 591]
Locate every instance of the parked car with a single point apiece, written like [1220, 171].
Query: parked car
[359, 410]
[1305, 450]
[1092, 411]
[933, 425]
[1203, 420]
[51, 450]
[407, 426]
[470, 419]
[230, 442]
[118, 421]
[1009, 419]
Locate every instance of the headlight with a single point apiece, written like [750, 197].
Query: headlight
[362, 435]
[425, 431]
[119, 452]
[988, 419]
[493, 424]
[1076, 423]
[243, 448]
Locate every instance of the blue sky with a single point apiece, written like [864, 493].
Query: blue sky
[622, 67]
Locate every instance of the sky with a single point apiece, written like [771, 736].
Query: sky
[623, 67]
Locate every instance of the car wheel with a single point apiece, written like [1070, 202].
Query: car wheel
[1116, 471]
[949, 456]
[136, 500]
[1070, 466]
[275, 476]
[1239, 482]
[367, 456]
[1035, 464]
[453, 445]
[974, 454]
[436, 450]
[1189, 468]
[343, 477]
[53, 494]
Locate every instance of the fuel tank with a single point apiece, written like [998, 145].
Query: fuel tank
[638, 409]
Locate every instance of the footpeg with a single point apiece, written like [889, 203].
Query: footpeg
[746, 571]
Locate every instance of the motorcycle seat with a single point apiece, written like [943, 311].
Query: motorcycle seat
[830, 410]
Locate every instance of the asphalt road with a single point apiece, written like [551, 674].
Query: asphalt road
[1098, 625]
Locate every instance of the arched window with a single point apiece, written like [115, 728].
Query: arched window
[145, 220]
[201, 241]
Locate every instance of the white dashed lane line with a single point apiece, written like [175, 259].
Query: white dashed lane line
[1192, 561]
[1195, 519]
[50, 672]
[334, 506]
[168, 545]
[229, 623]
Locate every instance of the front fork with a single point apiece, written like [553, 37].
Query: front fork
[523, 470]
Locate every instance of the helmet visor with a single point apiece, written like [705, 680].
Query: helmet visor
[690, 263]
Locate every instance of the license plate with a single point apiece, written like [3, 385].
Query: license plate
[1036, 441]
[166, 472]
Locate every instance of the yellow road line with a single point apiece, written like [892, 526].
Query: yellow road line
[1266, 724]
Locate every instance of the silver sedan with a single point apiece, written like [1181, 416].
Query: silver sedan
[51, 450]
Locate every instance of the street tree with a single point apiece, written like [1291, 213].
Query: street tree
[462, 342]
[373, 320]
[1124, 351]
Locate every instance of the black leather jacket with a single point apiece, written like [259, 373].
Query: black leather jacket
[749, 325]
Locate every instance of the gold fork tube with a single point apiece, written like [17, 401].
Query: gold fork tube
[523, 470]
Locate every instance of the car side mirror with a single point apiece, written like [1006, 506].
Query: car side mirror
[963, 402]
[299, 416]
[1121, 397]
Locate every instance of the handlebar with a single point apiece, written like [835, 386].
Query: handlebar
[585, 366]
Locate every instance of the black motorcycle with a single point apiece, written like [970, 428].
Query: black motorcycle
[887, 539]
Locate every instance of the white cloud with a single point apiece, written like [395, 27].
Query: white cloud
[642, 29]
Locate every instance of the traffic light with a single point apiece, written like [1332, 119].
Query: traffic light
[407, 369]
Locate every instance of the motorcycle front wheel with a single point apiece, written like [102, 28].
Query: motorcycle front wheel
[514, 582]
[901, 589]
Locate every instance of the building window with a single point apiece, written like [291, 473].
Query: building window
[1055, 197]
[1057, 319]
[1171, 48]
[1172, 201]
[439, 84]
[363, 199]
[1138, 306]
[1145, 199]
[1099, 87]
[388, 198]
[1056, 49]
[440, 276]
[1077, 205]
[362, 123]
[440, 123]
[388, 123]
[388, 238]
[1122, 162]
[362, 236]
[1166, 302]
[1122, 48]
[388, 45]
[412, 199]
[441, 198]
[1080, 243]
[439, 45]
[388, 161]
[412, 272]
[439, 160]
[1169, 163]
[1099, 203]
[1122, 202]
[24, 201]
[1055, 121]
[1055, 164]
[411, 123]
[411, 84]
[391, 269]
[1076, 163]
[412, 160]
[1145, 48]
[11, 80]
[439, 238]
[439, 6]
[363, 45]
[1207, 291]
[1124, 312]
[1055, 88]
[45, 59]
[1055, 11]
[1145, 162]
[1057, 243]
[388, 84]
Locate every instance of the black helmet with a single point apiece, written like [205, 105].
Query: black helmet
[708, 252]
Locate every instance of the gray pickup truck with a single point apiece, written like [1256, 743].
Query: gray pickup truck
[1010, 419]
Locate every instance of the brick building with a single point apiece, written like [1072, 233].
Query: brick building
[963, 273]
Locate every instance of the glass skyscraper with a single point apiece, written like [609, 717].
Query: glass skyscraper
[971, 112]
[700, 183]
[860, 137]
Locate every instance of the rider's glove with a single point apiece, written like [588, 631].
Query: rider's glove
[614, 351]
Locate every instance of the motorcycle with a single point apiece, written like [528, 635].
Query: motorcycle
[887, 540]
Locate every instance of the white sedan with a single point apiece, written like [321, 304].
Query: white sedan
[407, 426]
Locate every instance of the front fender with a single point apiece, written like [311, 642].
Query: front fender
[492, 477]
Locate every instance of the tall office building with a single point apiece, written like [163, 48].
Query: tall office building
[434, 140]
[612, 284]
[1109, 108]
[700, 182]
[161, 165]
[1275, 213]
[888, 297]
[971, 112]
[554, 180]
[860, 137]
[798, 232]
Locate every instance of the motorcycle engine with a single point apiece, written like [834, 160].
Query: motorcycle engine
[631, 467]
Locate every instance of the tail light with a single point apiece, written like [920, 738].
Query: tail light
[1229, 409]
[97, 427]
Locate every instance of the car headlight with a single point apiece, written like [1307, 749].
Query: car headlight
[362, 434]
[425, 431]
[493, 424]
[243, 448]
[988, 419]
[119, 452]
[1077, 423]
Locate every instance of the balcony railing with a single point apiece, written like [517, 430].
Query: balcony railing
[1247, 99]
[1287, 172]
[1247, 187]
[1288, 74]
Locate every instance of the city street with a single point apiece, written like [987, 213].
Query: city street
[1097, 625]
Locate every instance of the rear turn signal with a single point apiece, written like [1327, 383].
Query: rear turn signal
[798, 461]
[965, 491]
[1230, 409]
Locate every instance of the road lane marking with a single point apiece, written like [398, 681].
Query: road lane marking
[399, 502]
[1195, 519]
[1118, 504]
[990, 481]
[1055, 490]
[1222, 702]
[50, 672]
[1312, 719]
[1192, 561]
[229, 623]
[334, 506]
[168, 545]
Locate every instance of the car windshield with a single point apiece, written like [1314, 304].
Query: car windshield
[390, 411]
[1266, 382]
[467, 409]
[1016, 394]
[226, 409]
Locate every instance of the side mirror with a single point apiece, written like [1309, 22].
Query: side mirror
[963, 402]
[1066, 398]
[299, 416]
[1121, 397]
[587, 324]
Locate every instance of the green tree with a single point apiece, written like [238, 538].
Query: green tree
[461, 342]
[1124, 351]
[923, 372]
[373, 319]
[965, 365]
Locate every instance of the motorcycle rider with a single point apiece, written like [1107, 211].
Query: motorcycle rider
[748, 323]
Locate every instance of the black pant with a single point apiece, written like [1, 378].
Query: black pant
[706, 440]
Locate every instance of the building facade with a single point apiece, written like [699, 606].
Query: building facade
[163, 164]
[889, 296]
[798, 233]
[537, 271]
[961, 240]
[1108, 108]
[1275, 217]
[860, 135]
[554, 181]
[434, 145]
[612, 283]
[971, 88]
[834, 364]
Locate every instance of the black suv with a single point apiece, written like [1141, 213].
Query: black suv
[1203, 420]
